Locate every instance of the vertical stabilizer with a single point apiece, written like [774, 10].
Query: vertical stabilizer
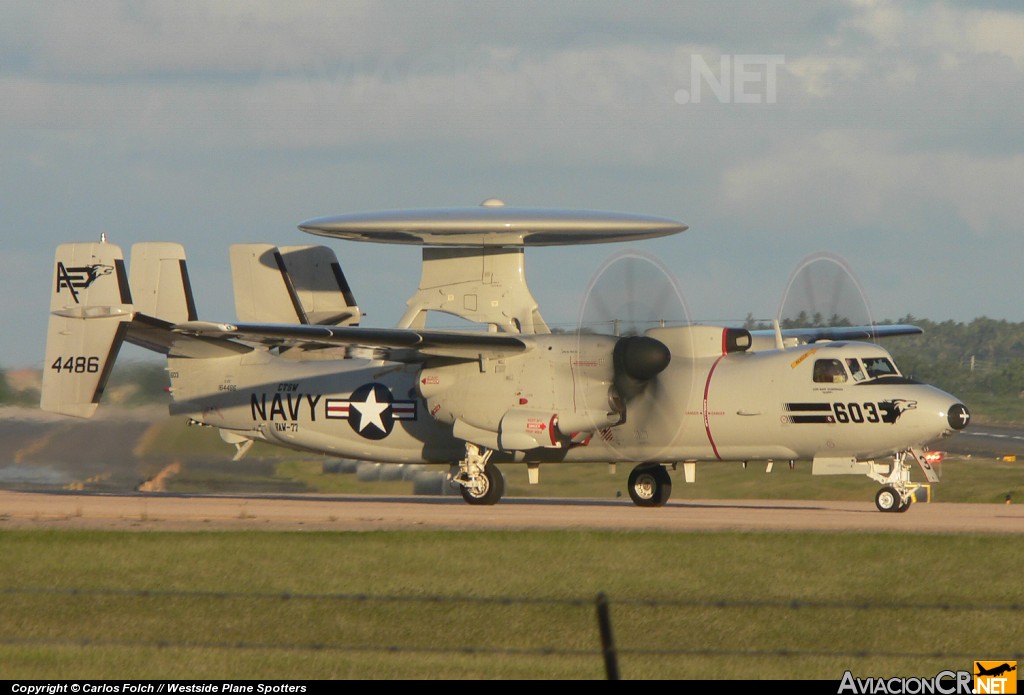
[90, 307]
[159, 281]
[324, 293]
[292, 284]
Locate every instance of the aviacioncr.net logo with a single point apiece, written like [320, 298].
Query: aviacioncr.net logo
[943, 683]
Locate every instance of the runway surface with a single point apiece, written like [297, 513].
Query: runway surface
[165, 512]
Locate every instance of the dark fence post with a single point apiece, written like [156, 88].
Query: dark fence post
[604, 622]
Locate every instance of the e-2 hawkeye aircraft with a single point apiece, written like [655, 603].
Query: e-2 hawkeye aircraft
[297, 369]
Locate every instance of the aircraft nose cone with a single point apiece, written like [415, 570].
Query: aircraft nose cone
[958, 416]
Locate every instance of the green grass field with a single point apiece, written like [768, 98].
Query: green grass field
[271, 605]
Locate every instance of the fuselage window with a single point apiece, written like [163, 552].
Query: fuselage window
[879, 366]
[854, 364]
[829, 372]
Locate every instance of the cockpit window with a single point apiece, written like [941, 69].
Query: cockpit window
[854, 364]
[829, 372]
[879, 366]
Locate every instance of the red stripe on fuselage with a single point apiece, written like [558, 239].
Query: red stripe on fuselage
[707, 423]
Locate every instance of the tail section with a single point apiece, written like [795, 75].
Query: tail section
[90, 308]
[92, 313]
[291, 284]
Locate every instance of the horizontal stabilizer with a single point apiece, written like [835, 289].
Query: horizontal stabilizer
[158, 335]
[457, 344]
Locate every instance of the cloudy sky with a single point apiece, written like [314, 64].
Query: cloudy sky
[890, 135]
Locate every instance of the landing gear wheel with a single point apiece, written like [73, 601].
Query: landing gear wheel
[650, 485]
[904, 506]
[888, 500]
[487, 488]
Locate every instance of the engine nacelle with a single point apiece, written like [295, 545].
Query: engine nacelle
[694, 342]
[556, 393]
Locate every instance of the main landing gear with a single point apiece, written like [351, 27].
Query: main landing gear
[480, 482]
[650, 485]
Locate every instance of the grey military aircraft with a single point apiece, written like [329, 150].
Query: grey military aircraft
[297, 369]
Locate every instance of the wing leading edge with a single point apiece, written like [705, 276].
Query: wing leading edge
[812, 335]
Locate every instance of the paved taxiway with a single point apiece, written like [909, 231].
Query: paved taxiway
[166, 512]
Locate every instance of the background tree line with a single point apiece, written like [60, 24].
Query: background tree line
[985, 356]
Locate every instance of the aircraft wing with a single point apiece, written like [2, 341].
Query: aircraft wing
[399, 344]
[812, 335]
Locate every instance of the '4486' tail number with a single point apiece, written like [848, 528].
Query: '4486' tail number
[77, 364]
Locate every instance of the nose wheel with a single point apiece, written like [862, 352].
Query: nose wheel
[888, 499]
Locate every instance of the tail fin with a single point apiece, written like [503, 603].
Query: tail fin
[163, 297]
[291, 284]
[90, 309]
[159, 281]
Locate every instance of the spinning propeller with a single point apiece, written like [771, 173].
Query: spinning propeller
[628, 296]
[631, 293]
[823, 292]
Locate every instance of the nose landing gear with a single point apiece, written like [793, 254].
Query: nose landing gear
[889, 499]
[897, 491]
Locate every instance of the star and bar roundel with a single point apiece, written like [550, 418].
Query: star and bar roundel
[371, 410]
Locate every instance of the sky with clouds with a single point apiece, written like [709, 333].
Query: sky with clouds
[887, 134]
